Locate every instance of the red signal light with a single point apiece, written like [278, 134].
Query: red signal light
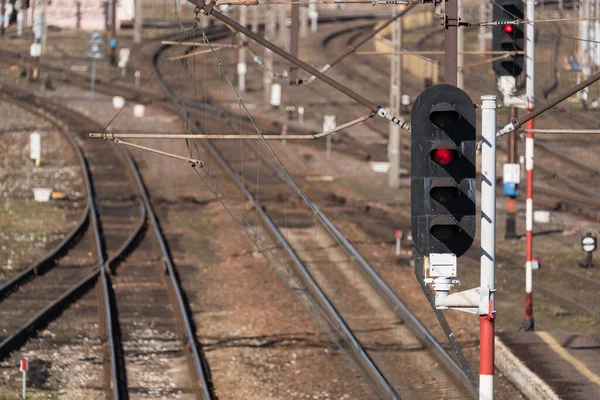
[508, 28]
[443, 156]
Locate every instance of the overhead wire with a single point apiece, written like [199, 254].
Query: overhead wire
[253, 234]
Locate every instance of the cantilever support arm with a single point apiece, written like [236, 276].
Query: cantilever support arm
[220, 136]
[516, 124]
[194, 162]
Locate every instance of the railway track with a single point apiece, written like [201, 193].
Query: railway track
[248, 180]
[244, 172]
[143, 312]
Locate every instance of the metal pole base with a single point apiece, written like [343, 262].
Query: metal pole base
[529, 325]
[511, 226]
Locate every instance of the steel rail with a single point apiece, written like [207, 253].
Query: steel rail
[398, 307]
[373, 375]
[566, 157]
[202, 374]
[20, 336]
[122, 252]
[43, 265]
[39, 320]
[328, 311]
[117, 390]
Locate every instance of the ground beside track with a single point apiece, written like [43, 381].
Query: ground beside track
[365, 185]
[261, 343]
[28, 228]
[355, 183]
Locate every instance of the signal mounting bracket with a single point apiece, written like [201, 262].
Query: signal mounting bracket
[443, 275]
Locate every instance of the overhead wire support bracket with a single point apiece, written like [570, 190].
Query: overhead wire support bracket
[516, 124]
[218, 136]
[194, 162]
[209, 9]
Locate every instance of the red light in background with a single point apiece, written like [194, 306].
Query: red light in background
[443, 156]
[508, 28]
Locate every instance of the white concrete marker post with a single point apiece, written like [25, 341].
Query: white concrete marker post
[35, 148]
[20, 20]
[124, 54]
[301, 115]
[241, 65]
[137, 78]
[23, 368]
[275, 95]
[329, 123]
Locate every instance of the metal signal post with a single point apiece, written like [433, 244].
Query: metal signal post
[443, 211]
[487, 310]
[529, 325]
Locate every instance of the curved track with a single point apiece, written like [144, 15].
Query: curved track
[118, 204]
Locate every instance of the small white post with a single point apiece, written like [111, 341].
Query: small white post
[313, 14]
[35, 148]
[23, 367]
[301, 115]
[488, 248]
[241, 66]
[275, 95]
[329, 123]
[137, 78]
[20, 20]
[398, 239]
[93, 80]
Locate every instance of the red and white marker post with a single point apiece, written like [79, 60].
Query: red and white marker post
[398, 239]
[23, 367]
[528, 325]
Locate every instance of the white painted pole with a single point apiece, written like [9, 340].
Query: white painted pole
[488, 246]
[20, 15]
[270, 28]
[303, 21]
[44, 28]
[138, 22]
[313, 14]
[241, 66]
[24, 384]
[460, 58]
[398, 244]
[395, 93]
[483, 16]
[93, 80]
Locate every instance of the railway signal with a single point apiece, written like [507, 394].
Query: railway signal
[443, 171]
[589, 244]
[508, 37]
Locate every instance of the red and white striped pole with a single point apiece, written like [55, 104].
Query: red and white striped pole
[528, 325]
